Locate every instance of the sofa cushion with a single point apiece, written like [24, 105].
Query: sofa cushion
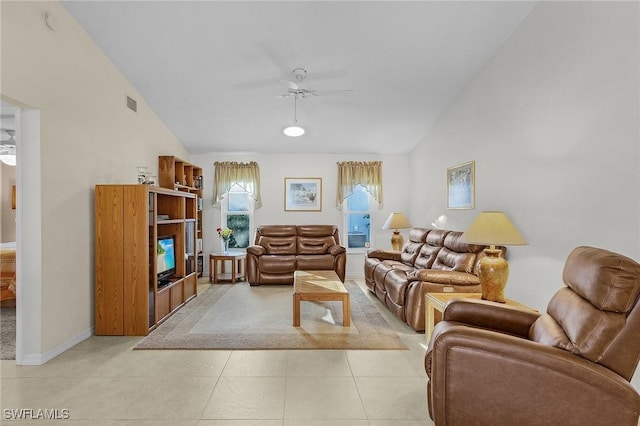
[278, 245]
[314, 245]
[436, 237]
[427, 256]
[449, 260]
[316, 261]
[277, 264]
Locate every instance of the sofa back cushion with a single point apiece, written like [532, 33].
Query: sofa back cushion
[457, 256]
[316, 239]
[277, 239]
[410, 251]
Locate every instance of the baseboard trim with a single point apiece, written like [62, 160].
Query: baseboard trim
[39, 359]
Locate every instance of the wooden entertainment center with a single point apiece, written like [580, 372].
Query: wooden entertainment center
[128, 221]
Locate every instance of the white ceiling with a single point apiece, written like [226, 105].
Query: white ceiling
[211, 70]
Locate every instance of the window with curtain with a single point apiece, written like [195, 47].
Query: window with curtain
[360, 185]
[237, 192]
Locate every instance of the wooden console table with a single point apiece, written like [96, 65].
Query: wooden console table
[238, 266]
[435, 303]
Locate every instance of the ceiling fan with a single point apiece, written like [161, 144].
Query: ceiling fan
[8, 148]
[298, 88]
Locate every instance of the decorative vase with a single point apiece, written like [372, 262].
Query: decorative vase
[225, 246]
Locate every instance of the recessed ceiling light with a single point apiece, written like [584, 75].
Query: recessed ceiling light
[293, 131]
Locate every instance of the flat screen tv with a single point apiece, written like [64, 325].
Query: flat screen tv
[166, 259]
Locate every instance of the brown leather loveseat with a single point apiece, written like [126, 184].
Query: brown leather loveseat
[431, 261]
[494, 364]
[280, 250]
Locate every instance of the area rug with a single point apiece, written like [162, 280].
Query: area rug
[239, 316]
[7, 333]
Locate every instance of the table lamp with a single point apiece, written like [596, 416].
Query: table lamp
[396, 221]
[493, 228]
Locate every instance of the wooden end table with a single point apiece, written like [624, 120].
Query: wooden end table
[238, 266]
[435, 303]
[319, 286]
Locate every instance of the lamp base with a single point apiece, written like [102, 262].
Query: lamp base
[397, 241]
[493, 271]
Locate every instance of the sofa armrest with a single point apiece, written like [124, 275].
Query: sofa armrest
[385, 254]
[494, 316]
[439, 276]
[256, 250]
[336, 250]
[539, 384]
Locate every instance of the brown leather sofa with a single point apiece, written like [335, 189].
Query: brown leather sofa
[494, 364]
[280, 250]
[431, 261]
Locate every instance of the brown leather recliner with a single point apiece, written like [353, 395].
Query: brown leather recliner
[280, 250]
[492, 364]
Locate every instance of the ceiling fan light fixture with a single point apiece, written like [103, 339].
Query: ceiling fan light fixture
[293, 131]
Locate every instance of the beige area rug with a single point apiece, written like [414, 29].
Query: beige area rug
[238, 316]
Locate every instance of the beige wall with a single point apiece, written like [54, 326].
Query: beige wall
[87, 136]
[552, 124]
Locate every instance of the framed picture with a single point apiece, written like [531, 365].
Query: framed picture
[303, 194]
[461, 186]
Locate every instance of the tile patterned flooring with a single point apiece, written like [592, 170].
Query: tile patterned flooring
[102, 381]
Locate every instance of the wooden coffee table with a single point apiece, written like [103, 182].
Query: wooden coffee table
[319, 286]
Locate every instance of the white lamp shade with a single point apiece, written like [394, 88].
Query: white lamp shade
[293, 131]
[493, 228]
[396, 221]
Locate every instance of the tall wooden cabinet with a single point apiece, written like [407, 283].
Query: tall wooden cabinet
[128, 221]
[174, 173]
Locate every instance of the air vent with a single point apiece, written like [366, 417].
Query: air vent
[132, 104]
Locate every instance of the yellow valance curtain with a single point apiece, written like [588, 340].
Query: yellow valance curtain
[247, 175]
[352, 173]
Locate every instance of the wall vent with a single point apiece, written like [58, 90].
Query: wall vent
[132, 104]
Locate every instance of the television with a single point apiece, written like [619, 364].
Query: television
[166, 258]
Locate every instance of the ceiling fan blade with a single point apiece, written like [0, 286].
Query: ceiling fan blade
[292, 84]
[336, 92]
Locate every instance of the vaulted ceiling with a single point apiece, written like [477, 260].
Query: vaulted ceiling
[213, 70]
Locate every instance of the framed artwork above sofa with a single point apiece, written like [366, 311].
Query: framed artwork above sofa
[303, 194]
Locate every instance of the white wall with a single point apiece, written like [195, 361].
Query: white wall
[274, 168]
[87, 136]
[552, 123]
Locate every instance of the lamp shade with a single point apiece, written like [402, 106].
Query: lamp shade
[493, 228]
[396, 221]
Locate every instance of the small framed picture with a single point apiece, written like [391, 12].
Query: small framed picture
[303, 194]
[461, 186]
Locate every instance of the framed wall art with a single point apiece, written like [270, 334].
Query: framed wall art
[303, 194]
[461, 186]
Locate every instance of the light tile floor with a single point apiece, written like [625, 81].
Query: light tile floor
[103, 382]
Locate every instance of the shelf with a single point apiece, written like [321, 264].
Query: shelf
[172, 221]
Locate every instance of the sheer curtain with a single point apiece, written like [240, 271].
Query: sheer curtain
[352, 173]
[247, 175]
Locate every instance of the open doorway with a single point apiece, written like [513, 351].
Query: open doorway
[8, 230]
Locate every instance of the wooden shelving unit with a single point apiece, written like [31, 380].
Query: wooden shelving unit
[128, 298]
[177, 174]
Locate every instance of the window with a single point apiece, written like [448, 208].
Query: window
[357, 210]
[237, 214]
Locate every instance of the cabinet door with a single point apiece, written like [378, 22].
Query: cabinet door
[109, 284]
[136, 260]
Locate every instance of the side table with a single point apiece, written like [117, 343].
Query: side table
[435, 303]
[218, 259]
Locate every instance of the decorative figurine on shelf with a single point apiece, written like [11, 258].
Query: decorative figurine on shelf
[225, 234]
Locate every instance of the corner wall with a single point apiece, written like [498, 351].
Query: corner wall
[552, 123]
[87, 136]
